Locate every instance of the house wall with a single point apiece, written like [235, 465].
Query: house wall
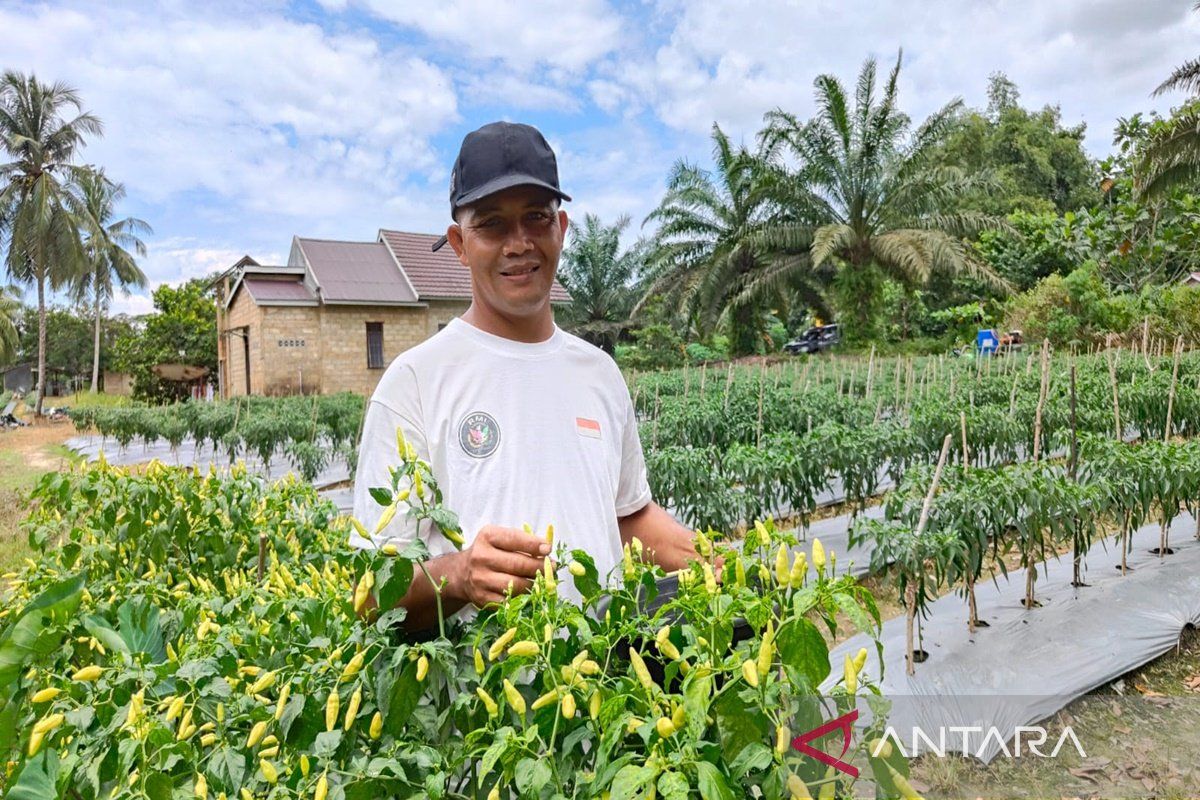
[243, 312]
[344, 343]
[292, 350]
[120, 383]
[323, 346]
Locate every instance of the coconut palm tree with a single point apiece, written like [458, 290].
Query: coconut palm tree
[10, 311]
[600, 279]
[41, 211]
[109, 263]
[711, 248]
[881, 209]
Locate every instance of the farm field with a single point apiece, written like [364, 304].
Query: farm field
[1042, 475]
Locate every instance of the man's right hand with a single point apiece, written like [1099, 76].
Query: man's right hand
[497, 559]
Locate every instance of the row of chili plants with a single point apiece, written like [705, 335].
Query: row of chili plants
[308, 431]
[943, 527]
[180, 634]
[712, 465]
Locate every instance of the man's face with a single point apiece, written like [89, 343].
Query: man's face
[511, 242]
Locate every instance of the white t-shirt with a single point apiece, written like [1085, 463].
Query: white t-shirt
[515, 433]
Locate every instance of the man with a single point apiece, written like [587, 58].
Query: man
[521, 422]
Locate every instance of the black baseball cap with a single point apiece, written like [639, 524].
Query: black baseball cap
[499, 156]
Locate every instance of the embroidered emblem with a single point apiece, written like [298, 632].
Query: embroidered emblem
[587, 427]
[479, 434]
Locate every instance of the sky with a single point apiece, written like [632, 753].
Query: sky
[236, 125]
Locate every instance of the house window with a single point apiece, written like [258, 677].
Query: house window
[374, 345]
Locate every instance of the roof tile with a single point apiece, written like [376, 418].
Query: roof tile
[356, 272]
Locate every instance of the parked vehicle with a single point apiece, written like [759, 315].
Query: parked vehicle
[814, 340]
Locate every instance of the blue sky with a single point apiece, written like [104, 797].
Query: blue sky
[235, 125]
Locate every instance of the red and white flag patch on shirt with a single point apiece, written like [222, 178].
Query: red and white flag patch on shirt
[587, 427]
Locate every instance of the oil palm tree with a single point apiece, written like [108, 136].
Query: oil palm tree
[106, 245]
[711, 248]
[10, 311]
[600, 279]
[865, 197]
[1171, 157]
[41, 211]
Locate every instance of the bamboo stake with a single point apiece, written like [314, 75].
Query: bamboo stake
[703, 376]
[910, 592]
[728, 380]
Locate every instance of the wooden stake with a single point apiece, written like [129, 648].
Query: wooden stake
[1171, 393]
[962, 418]
[910, 592]
[1112, 375]
[1037, 423]
[870, 373]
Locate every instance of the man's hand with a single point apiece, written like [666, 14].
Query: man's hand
[497, 559]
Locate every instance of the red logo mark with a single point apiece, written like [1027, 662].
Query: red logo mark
[843, 723]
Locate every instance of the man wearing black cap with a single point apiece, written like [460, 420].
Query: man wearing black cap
[521, 422]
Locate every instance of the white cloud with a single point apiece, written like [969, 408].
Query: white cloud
[568, 35]
[1099, 60]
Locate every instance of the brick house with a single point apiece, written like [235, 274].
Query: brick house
[336, 314]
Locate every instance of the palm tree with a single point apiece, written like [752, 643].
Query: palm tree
[600, 279]
[881, 208]
[1171, 157]
[41, 211]
[10, 310]
[708, 254]
[109, 263]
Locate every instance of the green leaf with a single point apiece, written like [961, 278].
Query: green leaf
[739, 725]
[37, 780]
[392, 581]
[381, 495]
[532, 775]
[494, 752]
[673, 786]
[630, 782]
[754, 757]
[106, 634]
[712, 782]
[327, 743]
[36, 630]
[802, 647]
[141, 629]
[402, 696]
[229, 767]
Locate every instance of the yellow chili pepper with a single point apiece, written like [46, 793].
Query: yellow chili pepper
[750, 672]
[665, 727]
[281, 703]
[515, 700]
[46, 695]
[376, 729]
[422, 668]
[270, 774]
[352, 708]
[851, 675]
[818, 556]
[568, 706]
[87, 674]
[322, 790]
[200, 787]
[797, 787]
[782, 739]
[488, 702]
[265, 681]
[576, 569]
[640, 670]
[799, 569]
[498, 646]
[256, 734]
[332, 706]
[783, 569]
[524, 648]
[479, 666]
[546, 699]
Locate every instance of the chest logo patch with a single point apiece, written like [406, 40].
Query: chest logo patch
[478, 434]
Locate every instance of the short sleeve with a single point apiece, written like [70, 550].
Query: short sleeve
[377, 455]
[633, 489]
